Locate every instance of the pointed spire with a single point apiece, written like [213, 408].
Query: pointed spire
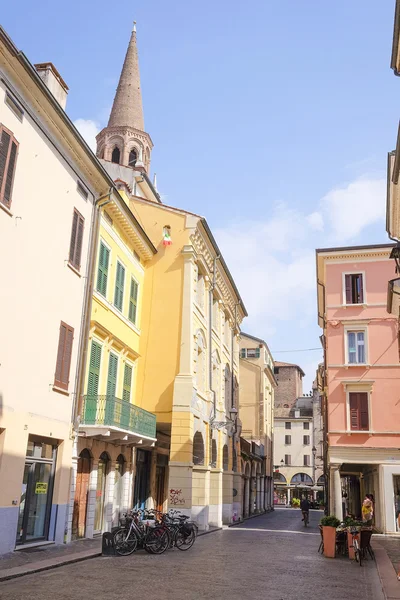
[127, 110]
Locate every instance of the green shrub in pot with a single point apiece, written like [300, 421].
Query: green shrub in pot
[330, 521]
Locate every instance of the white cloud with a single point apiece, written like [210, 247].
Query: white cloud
[351, 208]
[316, 221]
[88, 129]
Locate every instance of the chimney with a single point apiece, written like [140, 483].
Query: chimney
[56, 84]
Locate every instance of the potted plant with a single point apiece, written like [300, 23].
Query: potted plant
[329, 525]
[295, 503]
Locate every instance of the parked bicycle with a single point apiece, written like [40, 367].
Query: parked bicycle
[183, 533]
[355, 545]
[154, 538]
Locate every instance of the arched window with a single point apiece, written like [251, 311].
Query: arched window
[321, 480]
[132, 157]
[302, 478]
[198, 449]
[116, 155]
[279, 477]
[213, 452]
[234, 462]
[228, 389]
[225, 458]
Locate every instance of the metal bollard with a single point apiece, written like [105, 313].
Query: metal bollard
[107, 544]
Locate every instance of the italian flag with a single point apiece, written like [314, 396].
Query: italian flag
[167, 238]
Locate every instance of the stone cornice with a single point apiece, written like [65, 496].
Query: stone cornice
[204, 249]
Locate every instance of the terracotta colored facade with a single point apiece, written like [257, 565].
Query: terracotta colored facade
[362, 375]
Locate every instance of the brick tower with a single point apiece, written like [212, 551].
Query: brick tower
[124, 140]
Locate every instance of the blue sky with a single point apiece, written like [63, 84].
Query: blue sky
[272, 119]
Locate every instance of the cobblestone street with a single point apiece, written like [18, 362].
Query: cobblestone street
[270, 557]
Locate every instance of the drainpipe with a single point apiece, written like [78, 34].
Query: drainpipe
[233, 388]
[87, 309]
[210, 302]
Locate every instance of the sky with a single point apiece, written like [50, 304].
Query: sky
[271, 119]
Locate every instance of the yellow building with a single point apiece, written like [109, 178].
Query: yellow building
[191, 313]
[256, 409]
[110, 422]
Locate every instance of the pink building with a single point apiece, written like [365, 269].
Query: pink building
[361, 382]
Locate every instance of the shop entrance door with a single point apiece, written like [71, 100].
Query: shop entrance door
[36, 493]
[142, 479]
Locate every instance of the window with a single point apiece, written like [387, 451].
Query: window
[306, 440]
[215, 315]
[356, 347]
[115, 156]
[8, 160]
[288, 425]
[102, 272]
[133, 297]
[63, 364]
[225, 458]
[288, 460]
[112, 375]
[213, 453]
[228, 389]
[14, 105]
[276, 370]
[132, 158]
[306, 460]
[359, 419]
[94, 369]
[306, 425]
[75, 245]
[119, 286]
[301, 478]
[200, 289]
[227, 331]
[198, 449]
[126, 390]
[288, 440]
[354, 288]
[250, 353]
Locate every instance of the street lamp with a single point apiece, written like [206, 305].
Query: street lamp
[395, 254]
[233, 412]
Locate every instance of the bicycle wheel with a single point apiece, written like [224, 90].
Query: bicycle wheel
[157, 540]
[357, 552]
[125, 542]
[185, 541]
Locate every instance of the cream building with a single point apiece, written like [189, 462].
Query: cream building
[256, 410]
[50, 182]
[191, 314]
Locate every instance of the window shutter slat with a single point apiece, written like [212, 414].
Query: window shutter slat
[79, 239]
[363, 409]
[94, 369]
[133, 301]
[348, 289]
[64, 354]
[112, 375]
[361, 288]
[354, 411]
[126, 394]
[73, 238]
[9, 178]
[60, 355]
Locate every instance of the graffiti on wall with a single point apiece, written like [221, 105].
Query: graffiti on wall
[176, 498]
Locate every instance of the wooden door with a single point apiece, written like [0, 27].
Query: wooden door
[81, 495]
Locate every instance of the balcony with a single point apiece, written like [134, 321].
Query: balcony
[110, 418]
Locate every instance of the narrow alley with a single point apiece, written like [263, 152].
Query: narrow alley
[270, 557]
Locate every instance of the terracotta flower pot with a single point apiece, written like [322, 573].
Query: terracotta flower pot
[329, 535]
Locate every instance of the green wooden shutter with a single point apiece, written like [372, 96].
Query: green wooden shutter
[94, 369]
[133, 301]
[112, 375]
[102, 272]
[119, 286]
[126, 394]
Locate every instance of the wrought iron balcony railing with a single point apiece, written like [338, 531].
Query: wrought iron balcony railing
[114, 412]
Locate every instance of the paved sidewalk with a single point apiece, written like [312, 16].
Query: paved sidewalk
[43, 558]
